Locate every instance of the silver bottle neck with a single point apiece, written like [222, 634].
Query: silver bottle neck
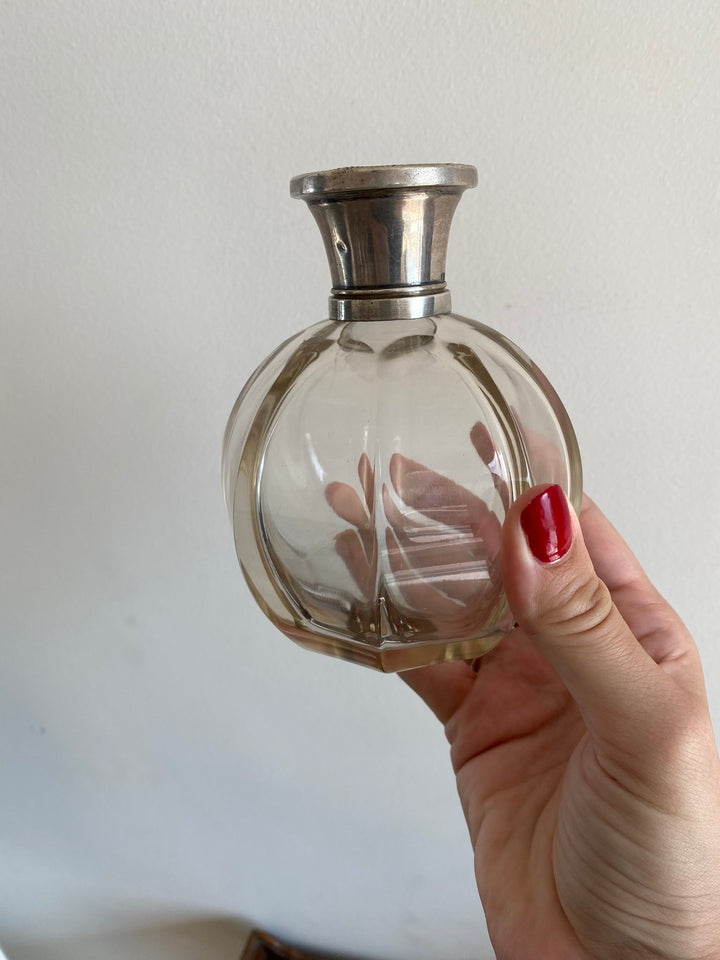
[385, 231]
[390, 307]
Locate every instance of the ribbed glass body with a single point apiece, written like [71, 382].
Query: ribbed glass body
[367, 470]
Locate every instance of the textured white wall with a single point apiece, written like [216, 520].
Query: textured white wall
[174, 769]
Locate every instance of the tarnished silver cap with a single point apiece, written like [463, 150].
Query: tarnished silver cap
[385, 231]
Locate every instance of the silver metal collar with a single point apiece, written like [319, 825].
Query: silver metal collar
[385, 231]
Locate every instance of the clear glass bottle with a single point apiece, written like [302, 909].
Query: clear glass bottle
[369, 462]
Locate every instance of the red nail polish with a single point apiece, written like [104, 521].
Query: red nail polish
[547, 525]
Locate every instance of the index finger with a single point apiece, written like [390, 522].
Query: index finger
[648, 615]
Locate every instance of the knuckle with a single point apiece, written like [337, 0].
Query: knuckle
[581, 607]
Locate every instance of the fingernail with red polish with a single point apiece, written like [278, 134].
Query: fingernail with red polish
[547, 525]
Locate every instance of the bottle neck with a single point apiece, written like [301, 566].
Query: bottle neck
[397, 303]
[385, 231]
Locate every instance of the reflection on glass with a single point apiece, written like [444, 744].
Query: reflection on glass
[367, 469]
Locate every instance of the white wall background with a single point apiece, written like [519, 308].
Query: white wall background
[173, 770]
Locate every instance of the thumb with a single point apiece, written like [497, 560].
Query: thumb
[567, 611]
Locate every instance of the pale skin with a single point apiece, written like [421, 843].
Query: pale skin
[585, 760]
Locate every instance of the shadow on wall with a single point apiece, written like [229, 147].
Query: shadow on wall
[197, 939]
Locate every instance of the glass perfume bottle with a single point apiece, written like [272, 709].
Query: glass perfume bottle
[369, 462]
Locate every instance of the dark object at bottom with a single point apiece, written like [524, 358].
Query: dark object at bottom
[261, 946]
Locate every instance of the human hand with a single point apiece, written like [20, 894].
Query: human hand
[584, 754]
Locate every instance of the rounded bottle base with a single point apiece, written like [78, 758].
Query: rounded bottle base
[397, 657]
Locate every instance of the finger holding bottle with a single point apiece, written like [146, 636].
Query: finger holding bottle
[583, 627]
